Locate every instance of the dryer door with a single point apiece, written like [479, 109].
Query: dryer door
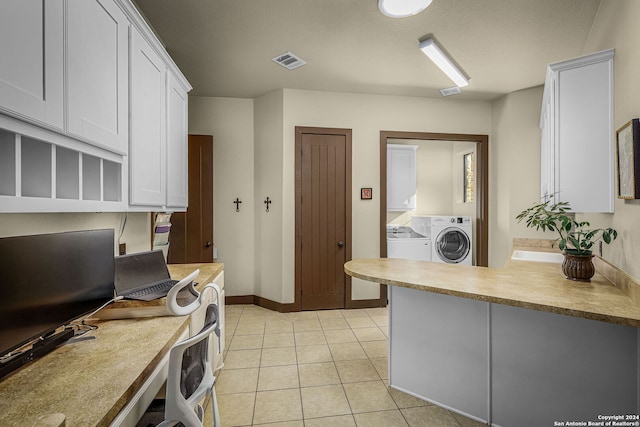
[452, 245]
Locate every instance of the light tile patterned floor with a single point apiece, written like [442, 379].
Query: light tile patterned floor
[315, 369]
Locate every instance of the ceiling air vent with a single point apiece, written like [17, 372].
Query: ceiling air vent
[289, 61]
[450, 91]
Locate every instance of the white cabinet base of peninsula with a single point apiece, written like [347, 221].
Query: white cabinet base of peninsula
[547, 367]
[438, 350]
[510, 366]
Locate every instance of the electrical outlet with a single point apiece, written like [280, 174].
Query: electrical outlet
[122, 249]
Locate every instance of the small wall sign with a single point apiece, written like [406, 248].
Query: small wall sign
[366, 193]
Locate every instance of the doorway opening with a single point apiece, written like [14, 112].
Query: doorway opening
[480, 196]
[192, 231]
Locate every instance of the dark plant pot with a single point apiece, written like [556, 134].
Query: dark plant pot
[578, 267]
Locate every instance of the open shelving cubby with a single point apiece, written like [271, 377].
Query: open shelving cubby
[40, 176]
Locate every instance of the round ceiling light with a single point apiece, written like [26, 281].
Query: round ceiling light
[402, 8]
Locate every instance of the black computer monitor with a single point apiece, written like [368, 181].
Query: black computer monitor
[48, 280]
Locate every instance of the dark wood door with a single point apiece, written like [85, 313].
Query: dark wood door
[323, 232]
[192, 231]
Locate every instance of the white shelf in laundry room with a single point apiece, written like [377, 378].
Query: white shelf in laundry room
[401, 177]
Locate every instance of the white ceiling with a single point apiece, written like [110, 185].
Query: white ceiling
[224, 47]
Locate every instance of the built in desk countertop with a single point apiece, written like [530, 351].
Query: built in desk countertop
[91, 381]
[534, 285]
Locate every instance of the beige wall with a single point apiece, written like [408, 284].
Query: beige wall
[514, 169]
[269, 158]
[616, 27]
[136, 232]
[230, 121]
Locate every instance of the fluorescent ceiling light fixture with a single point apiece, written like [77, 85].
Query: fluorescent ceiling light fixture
[431, 49]
[402, 8]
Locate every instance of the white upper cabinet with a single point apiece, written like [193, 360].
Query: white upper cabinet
[158, 147]
[577, 163]
[31, 64]
[148, 150]
[97, 73]
[401, 177]
[177, 148]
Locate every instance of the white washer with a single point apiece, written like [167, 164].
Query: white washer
[452, 242]
[404, 242]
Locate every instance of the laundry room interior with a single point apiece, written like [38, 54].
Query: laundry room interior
[429, 179]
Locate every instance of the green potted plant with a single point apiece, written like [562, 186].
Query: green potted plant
[576, 239]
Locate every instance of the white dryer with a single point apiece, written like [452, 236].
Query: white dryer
[451, 238]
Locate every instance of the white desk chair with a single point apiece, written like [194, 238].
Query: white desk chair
[190, 378]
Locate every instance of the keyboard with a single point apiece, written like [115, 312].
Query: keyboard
[156, 291]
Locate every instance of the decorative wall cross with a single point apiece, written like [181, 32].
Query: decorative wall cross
[237, 202]
[268, 202]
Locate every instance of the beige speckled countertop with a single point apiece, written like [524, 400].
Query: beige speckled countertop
[534, 285]
[91, 381]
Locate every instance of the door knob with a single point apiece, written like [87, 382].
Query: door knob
[207, 245]
[340, 244]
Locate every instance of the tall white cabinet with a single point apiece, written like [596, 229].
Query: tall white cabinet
[93, 111]
[577, 163]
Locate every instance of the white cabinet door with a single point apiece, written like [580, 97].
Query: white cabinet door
[401, 177]
[585, 137]
[97, 73]
[31, 63]
[147, 151]
[577, 133]
[177, 163]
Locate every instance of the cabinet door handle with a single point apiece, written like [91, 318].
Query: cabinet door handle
[207, 245]
[340, 244]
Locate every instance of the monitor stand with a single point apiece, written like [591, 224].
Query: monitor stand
[38, 349]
